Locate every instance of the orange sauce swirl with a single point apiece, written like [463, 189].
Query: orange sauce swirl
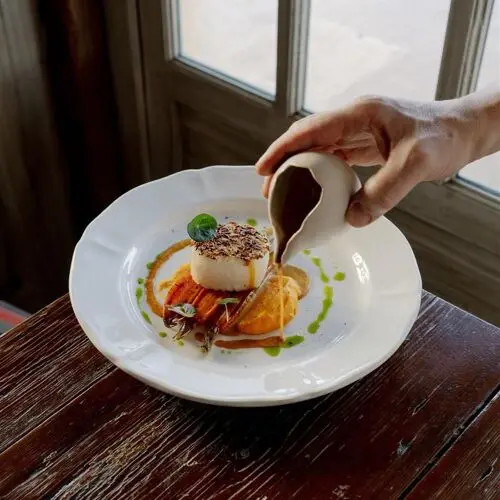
[151, 299]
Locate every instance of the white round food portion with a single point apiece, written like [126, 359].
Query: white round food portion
[235, 259]
[227, 273]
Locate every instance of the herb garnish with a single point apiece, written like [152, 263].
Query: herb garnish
[225, 302]
[186, 310]
[202, 228]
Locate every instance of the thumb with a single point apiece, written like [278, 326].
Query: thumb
[404, 169]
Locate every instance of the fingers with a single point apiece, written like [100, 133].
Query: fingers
[298, 137]
[266, 185]
[320, 132]
[406, 167]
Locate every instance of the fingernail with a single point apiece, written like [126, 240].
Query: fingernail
[358, 215]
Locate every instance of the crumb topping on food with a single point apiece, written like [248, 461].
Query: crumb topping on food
[235, 240]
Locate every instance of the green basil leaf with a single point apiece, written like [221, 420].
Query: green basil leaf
[186, 310]
[202, 228]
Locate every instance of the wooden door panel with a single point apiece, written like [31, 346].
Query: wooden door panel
[231, 135]
[214, 143]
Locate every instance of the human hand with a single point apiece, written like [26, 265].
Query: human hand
[413, 141]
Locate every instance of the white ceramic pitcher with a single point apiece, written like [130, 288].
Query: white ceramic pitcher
[308, 198]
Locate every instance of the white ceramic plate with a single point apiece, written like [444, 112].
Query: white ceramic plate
[373, 308]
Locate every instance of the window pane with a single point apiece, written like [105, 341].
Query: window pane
[237, 38]
[486, 172]
[388, 47]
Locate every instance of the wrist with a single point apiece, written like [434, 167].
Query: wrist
[479, 123]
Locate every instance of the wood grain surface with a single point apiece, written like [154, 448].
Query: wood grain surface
[44, 363]
[426, 423]
[471, 468]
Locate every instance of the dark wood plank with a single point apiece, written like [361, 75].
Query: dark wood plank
[369, 440]
[44, 363]
[471, 468]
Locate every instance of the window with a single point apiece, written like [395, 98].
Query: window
[485, 173]
[237, 38]
[363, 47]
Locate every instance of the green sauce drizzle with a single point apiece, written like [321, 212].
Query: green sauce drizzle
[327, 304]
[339, 276]
[146, 317]
[252, 222]
[162, 334]
[139, 295]
[289, 342]
[292, 341]
[149, 265]
[306, 252]
[317, 262]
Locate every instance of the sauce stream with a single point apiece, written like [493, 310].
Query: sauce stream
[251, 274]
[282, 300]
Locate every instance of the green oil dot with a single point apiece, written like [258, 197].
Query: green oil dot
[292, 341]
[252, 222]
[149, 265]
[272, 351]
[162, 334]
[289, 342]
[313, 327]
[180, 342]
[307, 252]
[146, 317]
[140, 281]
[339, 276]
[138, 293]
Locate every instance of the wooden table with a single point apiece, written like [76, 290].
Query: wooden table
[425, 425]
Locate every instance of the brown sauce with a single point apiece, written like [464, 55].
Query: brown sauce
[298, 195]
[251, 274]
